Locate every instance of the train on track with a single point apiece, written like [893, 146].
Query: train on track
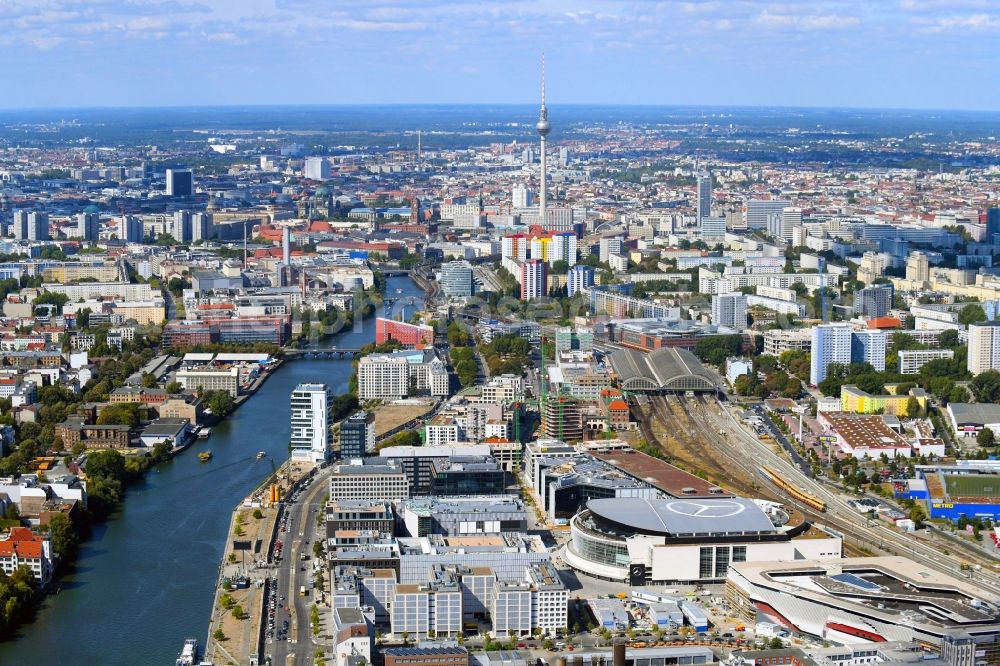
[796, 493]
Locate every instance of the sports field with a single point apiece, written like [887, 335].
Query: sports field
[973, 485]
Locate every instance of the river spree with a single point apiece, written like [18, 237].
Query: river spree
[144, 580]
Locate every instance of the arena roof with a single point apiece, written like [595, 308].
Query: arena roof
[667, 368]
[683, 516]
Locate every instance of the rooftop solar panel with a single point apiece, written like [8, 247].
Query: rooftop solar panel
[856, 581]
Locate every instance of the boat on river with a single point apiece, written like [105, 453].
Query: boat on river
[189, 654]
[205, 456]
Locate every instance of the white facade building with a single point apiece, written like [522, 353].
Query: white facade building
[730, 310]
[310, 421]
[831, 343]
[869, 347]
[984, 347]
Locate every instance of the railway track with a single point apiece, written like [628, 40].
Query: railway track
[843, 518]
[740, 464]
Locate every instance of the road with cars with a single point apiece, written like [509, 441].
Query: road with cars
[289, 637]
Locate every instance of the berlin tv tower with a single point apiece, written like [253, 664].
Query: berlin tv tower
[542, 127]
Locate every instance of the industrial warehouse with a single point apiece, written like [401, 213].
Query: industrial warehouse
[650, 541]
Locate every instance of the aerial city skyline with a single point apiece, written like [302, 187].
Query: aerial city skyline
[399, 333]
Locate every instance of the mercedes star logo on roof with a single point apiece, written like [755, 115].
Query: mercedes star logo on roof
[717, 509]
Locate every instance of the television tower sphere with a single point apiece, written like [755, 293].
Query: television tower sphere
[542, 126]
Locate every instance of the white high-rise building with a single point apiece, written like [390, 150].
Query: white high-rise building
[918, 267]
[456, 279]
[984, 347]
[760, 210]
[383, 377]
[609, 246]
[869, 347]
[713, 227]
[579, 278]
[180, 229]
[201, 227]
[38, 226]
[317, 168]
[791, 219]
[130, 229]
[310, 437]
[563, 248]
[515, 246]
[20, 227]
[730, 310]
[831, 343]
[88, 226]
[704, 202]
[872, 267]
[534, 282]
[523, 196]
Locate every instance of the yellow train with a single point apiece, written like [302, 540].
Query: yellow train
[796, 493]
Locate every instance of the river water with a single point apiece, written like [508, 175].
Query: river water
[145, 579]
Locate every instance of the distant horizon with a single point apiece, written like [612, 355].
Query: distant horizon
[549, 103]
[855, 54]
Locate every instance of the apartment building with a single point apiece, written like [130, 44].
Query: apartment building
[911, 360]
[831, 343]
[984, 347]
[399, 374]
[22, 547]
[777, 341]
[310, 422]
[210, 379]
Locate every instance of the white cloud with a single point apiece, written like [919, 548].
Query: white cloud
[966, 23]
[807, 22]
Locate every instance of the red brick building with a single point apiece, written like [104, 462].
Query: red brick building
[409, 335]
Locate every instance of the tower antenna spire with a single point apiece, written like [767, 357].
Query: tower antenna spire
[543, 128]
[543, 79]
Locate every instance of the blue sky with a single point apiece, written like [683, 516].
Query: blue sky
[942, 54]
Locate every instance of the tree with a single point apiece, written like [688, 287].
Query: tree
[148, 380]
[986, 438]
[986, 386]
[107, 464]
[64, 536]
[912, 407]
[972, 313]
[258, 514]
[948, 339]
[122, 413]
[318, 549]
[219, 635]
[220, 402]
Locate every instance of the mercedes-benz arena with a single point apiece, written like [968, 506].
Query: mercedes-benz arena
[642, 541]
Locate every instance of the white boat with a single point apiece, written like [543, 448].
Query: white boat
[261, 454]
[399, 291]
[189, 655]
